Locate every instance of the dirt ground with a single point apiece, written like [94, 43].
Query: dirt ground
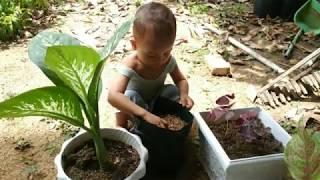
[29, 145]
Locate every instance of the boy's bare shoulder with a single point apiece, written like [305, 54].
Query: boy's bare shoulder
[130, 61]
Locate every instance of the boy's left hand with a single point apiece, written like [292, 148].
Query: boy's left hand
[186, 101]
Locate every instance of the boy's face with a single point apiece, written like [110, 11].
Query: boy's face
[152, 51]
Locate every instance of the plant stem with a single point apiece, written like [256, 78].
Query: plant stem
[91, 115]
[101, 151]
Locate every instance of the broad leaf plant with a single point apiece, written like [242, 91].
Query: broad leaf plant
[75, 70]
[302, 154]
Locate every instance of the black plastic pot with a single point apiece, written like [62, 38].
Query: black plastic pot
[166, 147]
[290, 7]
[282, 8]
[262, 8]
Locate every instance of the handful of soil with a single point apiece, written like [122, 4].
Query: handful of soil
[174, 123]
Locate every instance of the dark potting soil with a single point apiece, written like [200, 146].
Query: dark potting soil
[83, 164]
[236, 145]
[174, 123]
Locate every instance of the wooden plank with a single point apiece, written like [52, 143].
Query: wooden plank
[270, 99]
[316, 76]
[313, 81]
[303, 88]
[310, 57]
[275, 98]
[307, 83]
[296, 87]
[282, 98]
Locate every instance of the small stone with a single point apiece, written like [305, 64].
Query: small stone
[293, 61]
[27, 34]
[291, 113]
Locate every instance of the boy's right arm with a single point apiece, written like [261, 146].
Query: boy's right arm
[117, 99]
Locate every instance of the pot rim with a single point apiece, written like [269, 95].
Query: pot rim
[134, 139]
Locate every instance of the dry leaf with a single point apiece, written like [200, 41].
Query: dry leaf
[234, 51]
[238, 29]
[259, 45]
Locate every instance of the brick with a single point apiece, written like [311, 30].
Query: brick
[217, 65]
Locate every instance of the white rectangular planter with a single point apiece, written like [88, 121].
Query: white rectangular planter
[220, 167]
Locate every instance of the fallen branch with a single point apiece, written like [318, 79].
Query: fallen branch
[247, 50]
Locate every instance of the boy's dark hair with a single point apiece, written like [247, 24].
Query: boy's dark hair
[157, 18]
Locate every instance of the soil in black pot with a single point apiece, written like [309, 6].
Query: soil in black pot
[83, 164]
[174, 123]
[237, 146]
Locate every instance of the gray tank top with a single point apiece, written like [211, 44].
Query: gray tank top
[145, 87]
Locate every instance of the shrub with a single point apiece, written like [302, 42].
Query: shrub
[16, 14]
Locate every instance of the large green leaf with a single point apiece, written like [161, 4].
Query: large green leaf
[302, 155]
[114, 40]
[95, 86]
[38, 47]
[74, 65]
[56, 102]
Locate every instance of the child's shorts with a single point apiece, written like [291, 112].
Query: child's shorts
[168, 91]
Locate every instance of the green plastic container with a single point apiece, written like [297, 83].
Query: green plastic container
[308, 17]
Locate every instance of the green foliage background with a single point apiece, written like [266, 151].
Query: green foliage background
[16, 14]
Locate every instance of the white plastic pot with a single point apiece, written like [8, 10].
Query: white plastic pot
[220, 167]
[118, 134]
